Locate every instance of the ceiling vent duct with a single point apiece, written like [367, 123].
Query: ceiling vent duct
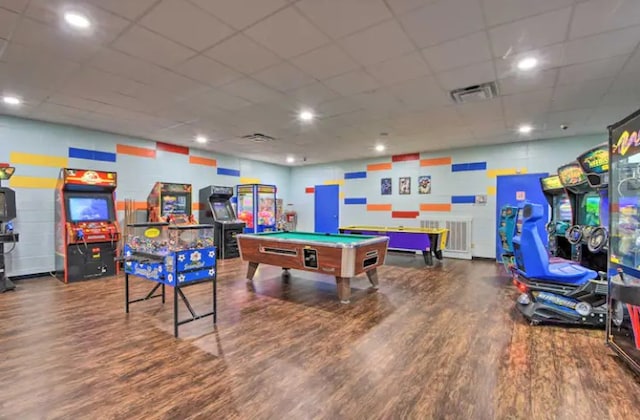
[258, 138]
[475, 93]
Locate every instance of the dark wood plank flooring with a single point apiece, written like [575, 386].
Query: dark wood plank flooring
[440, 343]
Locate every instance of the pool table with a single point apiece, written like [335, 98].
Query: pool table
[341, 256]
[427, 240]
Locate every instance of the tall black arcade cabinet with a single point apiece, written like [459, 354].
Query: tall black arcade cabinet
[87, 229]
[7, 214]
[221, 215]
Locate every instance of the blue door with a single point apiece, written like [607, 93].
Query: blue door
[513, 190]
[327, 208]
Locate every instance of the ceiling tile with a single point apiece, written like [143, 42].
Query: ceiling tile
[487, 129]
[240, 13]
[402, 6]
[572, 118]
[310, 95]
[243, 54]
[378, 100]
[633, 65]
[149, 46]
[596, 16]
[525, 82]
[352, 83]
[251, 90]
[503, 11]
[463, 51]
[396, 70]
[207, 71]
[182, 22]
[527, 107]
[530, 33]
[336, 107]
[126, 8]
[421, 93]
[325, 62]
[283, 77]
[598, 69]
[287, 33]
[39, 69]
[481, 112]
[467, 76]
[8, 20]
[609, 44]
[580, 95]
[443, 21]
[14, 5]
[549, 57]
[339, 18]
[629, 97]
[216, 99]
[378, 43]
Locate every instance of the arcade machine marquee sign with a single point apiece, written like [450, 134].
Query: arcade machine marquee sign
[88, 177]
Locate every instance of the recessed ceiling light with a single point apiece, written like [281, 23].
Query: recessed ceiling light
[201, 139]
[290, 159]
[305, 116]
[77, 20]
[525, 129]
[527, 63]
[11, 100]
[380, 148]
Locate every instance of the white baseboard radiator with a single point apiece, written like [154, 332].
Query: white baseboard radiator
[459, 240]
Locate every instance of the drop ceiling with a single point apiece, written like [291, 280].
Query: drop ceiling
[170, 70]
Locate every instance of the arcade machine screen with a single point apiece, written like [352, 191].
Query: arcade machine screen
[222, 210]
[562, 208]
[519, 220]
[174, 204]
[591, 210]
[88, 209]
[3, 204]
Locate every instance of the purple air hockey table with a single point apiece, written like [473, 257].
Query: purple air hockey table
[430, 241]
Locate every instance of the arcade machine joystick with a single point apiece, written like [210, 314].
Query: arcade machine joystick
[7, 235]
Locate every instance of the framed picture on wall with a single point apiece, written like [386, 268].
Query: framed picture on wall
[405, 185]
[385, 186]
[424, 184]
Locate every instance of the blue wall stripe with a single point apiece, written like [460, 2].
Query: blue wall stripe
[354, 175]
[355, 200]
[463, 199]
[230, 172]
[472, 166]
[91, 155]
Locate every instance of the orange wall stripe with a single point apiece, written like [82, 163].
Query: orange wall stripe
[436, 161]
[435, 207]
[197, 206]
[123, 149]
[197, 160]
[139, 205]
[310, 190]
[379, 166]
[378, 207]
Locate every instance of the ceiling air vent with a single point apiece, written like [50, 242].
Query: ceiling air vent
[475, 93]
[258, 138]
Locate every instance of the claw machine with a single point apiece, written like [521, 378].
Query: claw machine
[257, 207]
[623, 322]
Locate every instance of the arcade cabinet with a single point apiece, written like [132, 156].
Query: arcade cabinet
[170, 203]
[221, 215]
[507, 230]
[257, 207]
[561, 216]
[87, 230]
[7, 235]
[586, 203]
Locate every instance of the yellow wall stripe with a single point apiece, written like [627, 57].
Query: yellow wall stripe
[492, 173]
[342, 195]
[334, 182]
[491, 190]
[246, 180]
[18, 181]
[38, 160]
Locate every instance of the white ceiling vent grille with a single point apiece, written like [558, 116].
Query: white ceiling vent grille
[258, 138]
[476, 93]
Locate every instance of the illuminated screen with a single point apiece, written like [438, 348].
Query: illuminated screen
[562, 209]
[3, 205]
[519, 220]
[590, 210]
[222, 210]
[174, 204]
[88, 209]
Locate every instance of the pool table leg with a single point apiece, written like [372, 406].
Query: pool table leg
[428, 259]
[344, 289]
[373, 277]
[251, 271]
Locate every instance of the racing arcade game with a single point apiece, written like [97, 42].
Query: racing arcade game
[170, 203]
[87, 231]
[257, 207]
[560, 221]
[221, 215]
[585, 205]
[623, 324]
[7, 235]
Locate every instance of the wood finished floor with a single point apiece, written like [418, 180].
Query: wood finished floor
[440, 343]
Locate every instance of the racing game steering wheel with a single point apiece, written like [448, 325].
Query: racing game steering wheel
[574, 234]
[597, 240]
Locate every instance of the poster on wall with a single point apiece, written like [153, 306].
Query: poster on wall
[385, 186]
[405, 185]
[424, 185]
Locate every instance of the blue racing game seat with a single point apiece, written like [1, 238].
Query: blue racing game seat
[532, 259]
